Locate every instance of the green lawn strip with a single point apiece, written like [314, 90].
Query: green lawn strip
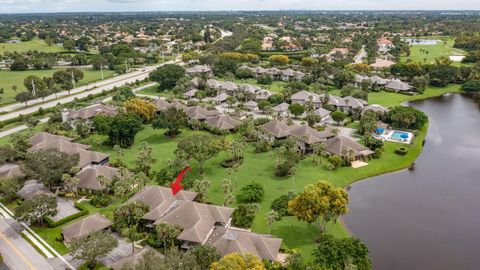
[276, 86]
[11, 78]
[153, 91]
[32, 45]
[388, 99]
[33, 245]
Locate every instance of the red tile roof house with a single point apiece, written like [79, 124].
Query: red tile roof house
[202, 223]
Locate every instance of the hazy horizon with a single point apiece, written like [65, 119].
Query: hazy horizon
[58, 6]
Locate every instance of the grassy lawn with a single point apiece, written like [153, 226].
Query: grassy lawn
[276, 86]
[35, 44]
[260, 168]
[11, 78]
[153, 91]
[442, 48]
[388, 99]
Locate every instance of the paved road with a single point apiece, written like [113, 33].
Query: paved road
[97, 88]
[107, 82]
[360, 55]
[19, 128]
[17, 253]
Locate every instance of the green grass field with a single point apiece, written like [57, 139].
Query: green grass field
[11, 78]
[388, 99]
[443, 48]
[35, 44]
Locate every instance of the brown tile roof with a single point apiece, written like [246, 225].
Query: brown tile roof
[223, 122]
[85, 226]
[131, 261]
[309, 135]
[199, 113]
[196, 219]
[238, 241]
[277, 129]
[91, 111]
[44, 136]
[160, 199]
[161, 104]
[10, 170]
[31, 188]
[86, 156]
[339, 144]
[88, 176]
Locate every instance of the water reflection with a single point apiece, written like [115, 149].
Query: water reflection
[428, 218]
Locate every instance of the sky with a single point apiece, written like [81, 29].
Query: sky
[36, 6]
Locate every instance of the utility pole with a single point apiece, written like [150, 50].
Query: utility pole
[126, 67]
[73, 80]
[34, 92]
[101, 70]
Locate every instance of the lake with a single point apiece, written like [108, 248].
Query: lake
[420, 41]
[428, 218]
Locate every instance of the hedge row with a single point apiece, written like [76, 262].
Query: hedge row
[83, 212]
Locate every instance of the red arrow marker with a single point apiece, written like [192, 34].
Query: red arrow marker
[176, 186]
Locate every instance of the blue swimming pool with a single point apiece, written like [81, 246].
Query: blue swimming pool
[399, 135]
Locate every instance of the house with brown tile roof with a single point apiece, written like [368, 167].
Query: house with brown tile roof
[85, 226]
[161, 105]
[341, 145]
[199, 70]
[200, 113]
[89, 112]
[197, 220]
[10, 170]
[306, 136]
[229, 240]
[131, 261]
[281, 109]
[86, 157]
[160, 199]
[222, 122]
[275, 130]
[45, 136]
[88, 176]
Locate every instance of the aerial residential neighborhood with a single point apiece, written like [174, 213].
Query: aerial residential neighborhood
[210, 135]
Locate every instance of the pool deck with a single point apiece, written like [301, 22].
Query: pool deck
[387, 135]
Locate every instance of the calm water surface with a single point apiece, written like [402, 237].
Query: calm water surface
[428, 218]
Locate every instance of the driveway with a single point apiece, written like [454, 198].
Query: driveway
[65, 208]
[123, 249]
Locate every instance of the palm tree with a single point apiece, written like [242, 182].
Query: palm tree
[272, 216]
[167, 233]
[132, 234]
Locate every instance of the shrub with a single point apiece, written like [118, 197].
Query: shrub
[244, 215]
[280, 204]
[251, 193]
[264, 79]
[263, 146]
[100, 201]
[83, 212]
[335, 161]
[401, 151]
[284, 168]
